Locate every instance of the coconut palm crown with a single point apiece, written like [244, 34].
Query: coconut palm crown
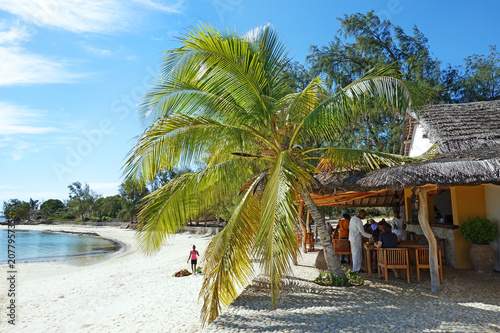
[223, 100]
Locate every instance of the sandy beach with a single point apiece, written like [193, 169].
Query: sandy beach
[127, 292]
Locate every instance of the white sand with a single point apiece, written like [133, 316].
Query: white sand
[128, 292]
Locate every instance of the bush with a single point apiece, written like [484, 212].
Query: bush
[325, 279]
[479, 230]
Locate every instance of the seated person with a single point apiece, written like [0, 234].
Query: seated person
[375, 236]
[377, 230]
[368, 228]
[388, 240]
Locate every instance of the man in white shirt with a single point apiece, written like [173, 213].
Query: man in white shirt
[398, 226]
[356, 231]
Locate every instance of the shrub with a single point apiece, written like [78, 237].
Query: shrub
[325, 279]
[479, 230]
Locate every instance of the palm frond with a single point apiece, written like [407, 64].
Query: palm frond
[381, 87]
[348, 159]
[227, 260]
[166, 210]
[275, 243]
[182, 140]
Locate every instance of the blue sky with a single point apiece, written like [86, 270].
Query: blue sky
[72, 72]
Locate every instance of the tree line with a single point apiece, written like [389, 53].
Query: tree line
[82, 204]
[85, 204]
[363, 42]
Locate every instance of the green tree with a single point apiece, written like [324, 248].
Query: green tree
[51, 206]
[108, 206]
[34, 204]
[16, 209]
[132, 193]
[364, 42]
[228, 97]
[82, 198]
[478, 80]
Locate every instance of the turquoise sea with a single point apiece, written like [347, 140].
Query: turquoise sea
[49, 246]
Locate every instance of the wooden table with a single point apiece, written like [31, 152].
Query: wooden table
[370, 248]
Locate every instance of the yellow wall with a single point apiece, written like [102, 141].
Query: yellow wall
[492, 194]
[466, 201]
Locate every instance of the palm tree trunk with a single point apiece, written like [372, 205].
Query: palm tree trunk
[426, 228]
[332, 261]
[302, 226]
[308, 220]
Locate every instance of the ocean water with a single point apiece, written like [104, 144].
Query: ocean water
[49, 246]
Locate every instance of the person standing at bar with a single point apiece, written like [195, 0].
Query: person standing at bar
[356, 232]
[399, 225]
[343, 231]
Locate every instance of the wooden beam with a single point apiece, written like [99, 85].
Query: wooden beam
[431, 239]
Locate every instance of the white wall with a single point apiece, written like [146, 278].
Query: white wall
[492, 194]
[419, 144]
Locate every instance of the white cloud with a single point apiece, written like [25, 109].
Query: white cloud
[16, 156]
[83, 15]
[172, 9]
[13, 34]
[71, 15]
[20, 67]
[105, 189]
[95, 50]
[17, 119]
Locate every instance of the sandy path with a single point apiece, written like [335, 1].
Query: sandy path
[127, 293]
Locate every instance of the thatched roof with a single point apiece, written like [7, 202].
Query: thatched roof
[468, 137]
[462, 127]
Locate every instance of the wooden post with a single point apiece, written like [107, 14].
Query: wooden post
[431, 239]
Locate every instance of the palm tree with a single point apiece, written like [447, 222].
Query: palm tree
[224, 98]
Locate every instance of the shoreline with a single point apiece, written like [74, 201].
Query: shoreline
[127, 291]
[76, 259]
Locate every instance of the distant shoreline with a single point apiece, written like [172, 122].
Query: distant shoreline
[86, 258]
[113, 295]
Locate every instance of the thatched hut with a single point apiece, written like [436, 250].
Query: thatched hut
[463, 182]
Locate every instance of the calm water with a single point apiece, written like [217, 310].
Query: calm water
[42, 245]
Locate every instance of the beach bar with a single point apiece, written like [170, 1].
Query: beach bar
[438, 195]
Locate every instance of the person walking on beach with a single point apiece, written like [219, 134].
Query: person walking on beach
[356, 231]
[193, 255]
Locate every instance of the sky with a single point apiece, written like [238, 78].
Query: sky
[73, 72]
